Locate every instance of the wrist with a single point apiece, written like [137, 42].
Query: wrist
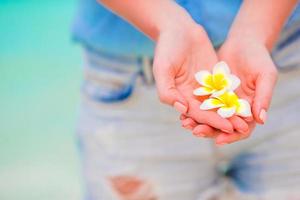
[185, 29]
[235, 48]
[256, 33]
[177, 21]
[245, 41]
[262, 21]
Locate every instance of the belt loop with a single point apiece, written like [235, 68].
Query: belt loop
[147, 70]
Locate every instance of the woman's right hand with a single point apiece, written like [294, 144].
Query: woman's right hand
[183, 49]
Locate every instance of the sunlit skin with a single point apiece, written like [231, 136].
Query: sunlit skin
[182, 49]
[247, 51]
[257, 82]
[177, 59]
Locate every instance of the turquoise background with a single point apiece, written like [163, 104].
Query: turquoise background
[39, 95]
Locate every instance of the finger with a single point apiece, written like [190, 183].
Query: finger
[265, 84]
[203, 130]
[188, 123]
[188, 127]
[164, 75]
[248, 119]
[239, 124]
[214, 120]
[210, 118]
[182, 117]
[226, 138]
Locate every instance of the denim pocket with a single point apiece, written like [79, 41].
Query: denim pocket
[109, 78]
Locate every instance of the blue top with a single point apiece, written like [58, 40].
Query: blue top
[100, 29]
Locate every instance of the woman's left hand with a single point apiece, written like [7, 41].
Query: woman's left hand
[252, 63]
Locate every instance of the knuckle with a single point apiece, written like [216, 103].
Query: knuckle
[163, 97]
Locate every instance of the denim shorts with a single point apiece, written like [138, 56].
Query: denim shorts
[133, 148]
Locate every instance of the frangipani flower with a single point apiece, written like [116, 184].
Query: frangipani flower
[217, 83]
[228, 104]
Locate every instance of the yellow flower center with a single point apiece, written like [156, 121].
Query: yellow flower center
[229, 99]
[219, 81]
[216, 81]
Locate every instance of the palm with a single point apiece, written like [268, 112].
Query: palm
[186, 56]
[239, 66]
[253, 64]
[247, 65]
[242, 66]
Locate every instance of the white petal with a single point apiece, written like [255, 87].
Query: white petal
[244, 108]
[219, 92]
[210, 104]
[234, 82]
[202, 76]
[226, 112]
[202, 91]
[221, 68]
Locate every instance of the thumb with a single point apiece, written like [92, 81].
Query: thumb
[265, 84]
[165, 82]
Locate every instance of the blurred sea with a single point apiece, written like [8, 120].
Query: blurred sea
[39, 94]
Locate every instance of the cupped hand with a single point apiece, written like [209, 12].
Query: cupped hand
[219, 137]
[251, 62]
[181, 51]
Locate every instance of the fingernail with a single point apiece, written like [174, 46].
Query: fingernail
[199, 134]
[188, 127]
[248, 119]
[180, 107]
[244, 130]
[226, 131]
[186, 122]
[263, 115]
